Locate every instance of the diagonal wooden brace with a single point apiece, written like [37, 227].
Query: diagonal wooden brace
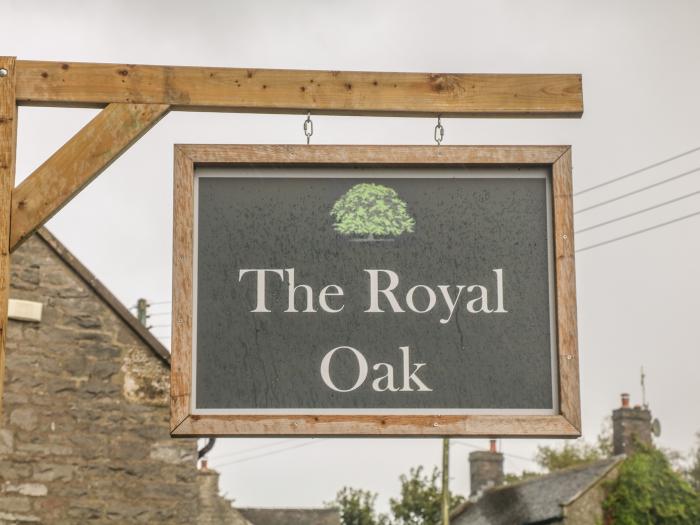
[77, 163]
[8, 146]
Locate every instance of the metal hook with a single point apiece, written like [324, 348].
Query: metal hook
[439, 133]
[308, 128]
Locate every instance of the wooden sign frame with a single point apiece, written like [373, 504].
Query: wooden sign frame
[133, 98]
[567, 423]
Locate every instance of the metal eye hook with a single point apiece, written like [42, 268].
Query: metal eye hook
[439, 132]
[308, 128]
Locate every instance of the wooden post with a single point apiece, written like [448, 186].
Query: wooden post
[8, 146]
[142, 311]
[445, 481]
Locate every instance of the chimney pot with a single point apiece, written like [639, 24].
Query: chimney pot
[205, 464]
[492, 445]
[625, 400]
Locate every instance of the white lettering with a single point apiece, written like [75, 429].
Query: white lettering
[499, 291]
[361, 369]
[388, 378]
[409, 376]
[291, 303]
[451, 304]
[374, 291]
[261, 305]
[431, 299]
[324, 293]
[482, 299]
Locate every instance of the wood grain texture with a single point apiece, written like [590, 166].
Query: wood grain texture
[76, 163]
[322, 92]
[185, 424]
[373, 155]
[385, 426]
[564, 252]
[8, 146]
[181, 338]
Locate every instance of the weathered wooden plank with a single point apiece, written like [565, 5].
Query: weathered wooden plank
[8, 146]
[386, 426]
[364, 154]
[76, 163]
[567, 332]
[181, 342]
[289, 91]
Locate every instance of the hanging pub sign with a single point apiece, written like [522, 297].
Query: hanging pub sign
[374, 290]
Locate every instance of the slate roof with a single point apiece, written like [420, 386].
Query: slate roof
[281, 516]
[537, 500]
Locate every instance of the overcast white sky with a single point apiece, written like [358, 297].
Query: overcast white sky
[638, 299]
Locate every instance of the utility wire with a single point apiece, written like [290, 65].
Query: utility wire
[641, 170]
[655, 206]
[634, 192]
[638, 232]
[265, 454]
[476, 447]
[253, 449]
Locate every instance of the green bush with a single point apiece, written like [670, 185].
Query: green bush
[649, 492]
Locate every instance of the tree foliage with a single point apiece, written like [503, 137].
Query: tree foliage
[357, 507]
[647, 491]
[570, 454]
[419, 503]
[370, 210]
[578, 452]
[694, 469]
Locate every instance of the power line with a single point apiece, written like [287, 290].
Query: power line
[641, 170]
[253, 449]
[655, 206]
[644, 188]
[507, 454]
[265, 454]
[638, 232]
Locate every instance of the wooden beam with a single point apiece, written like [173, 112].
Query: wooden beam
[78, 162]
[8, 147]
[296, 91]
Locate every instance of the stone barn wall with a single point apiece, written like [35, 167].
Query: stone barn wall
[84, 433]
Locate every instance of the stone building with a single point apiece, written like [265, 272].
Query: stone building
[571, 496]
[84, 435]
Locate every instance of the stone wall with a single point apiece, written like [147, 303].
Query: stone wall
[631, 428]
[213, 508]
[84, 435]
[485, 470]
[588, 508]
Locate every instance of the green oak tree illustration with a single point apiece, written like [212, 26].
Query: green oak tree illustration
[371, 210]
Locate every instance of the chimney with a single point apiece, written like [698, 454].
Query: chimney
[631, 427]
[485, 469]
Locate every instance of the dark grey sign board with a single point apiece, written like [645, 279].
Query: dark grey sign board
[372, 290]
